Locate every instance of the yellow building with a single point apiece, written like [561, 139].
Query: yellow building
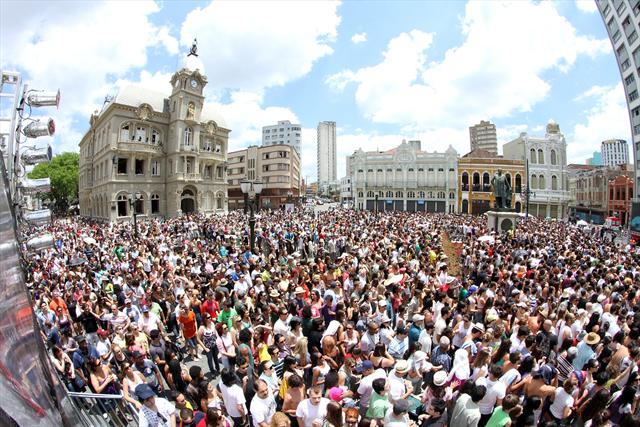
[475, 171]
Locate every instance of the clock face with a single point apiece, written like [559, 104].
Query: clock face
[194, 84]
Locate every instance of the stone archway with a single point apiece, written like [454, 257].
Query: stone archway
[188, 200]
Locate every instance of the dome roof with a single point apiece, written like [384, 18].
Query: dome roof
[134, 95]
[210, 113]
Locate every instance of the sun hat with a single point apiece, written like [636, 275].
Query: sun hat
[274, 294]
[402, 367]
[417, 318]
[592, 338]
[299, 290]
[439, 378]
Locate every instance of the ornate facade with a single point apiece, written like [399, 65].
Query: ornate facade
[404, 179]
[171, 150]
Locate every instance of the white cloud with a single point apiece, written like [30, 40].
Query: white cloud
[496, 72]
[253, 45]
[359, 38]
[607, 119]
[245, 115]
[75, 47]
[588, 6]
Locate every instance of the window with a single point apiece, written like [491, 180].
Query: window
[452, 170]
[554, 182]
[633, 95]
[399, 195]
[389, 170]
[399, 170]
[616, 36]
[411, 195]
[360, 170]
[370, 194]
[187, 137]
[541, 182]
[218, 148]
[629, 79]
[123, 203]
[410, 169]
[420, 169]
[389, 194]
[621, 8]
[606, 11]
[155, 168]
[141, 134]
[626, 64]
[360, 194]
[632, 37]
[611, 25]
[122, 166]
[532, 155]
[138, 205]
[139, 167]
[206, 145]
[219, 202]
[124, 133]
[440, 169]
[430, 170]
[421, 194]
[554, 159]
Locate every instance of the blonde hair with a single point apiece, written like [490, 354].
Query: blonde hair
[301, 349]
[280, 418]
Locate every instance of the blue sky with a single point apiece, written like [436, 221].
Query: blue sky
[384, 71]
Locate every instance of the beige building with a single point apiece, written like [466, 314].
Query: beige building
[277, 166]
[483, 136]
[169, 149]
[476, 170]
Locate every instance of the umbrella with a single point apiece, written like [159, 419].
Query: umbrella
[396, 278]
[74, 262]
[487, 238]
[582, 223]
[89, 240]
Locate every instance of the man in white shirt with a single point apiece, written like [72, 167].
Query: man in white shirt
[496, 390]
[149, 321]
[398, 387]
[366, 384]
[281, 327]
[263, 405]
[233, 397]
[313, 408]
[155, 411]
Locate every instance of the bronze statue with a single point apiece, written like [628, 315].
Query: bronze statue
[501, 191]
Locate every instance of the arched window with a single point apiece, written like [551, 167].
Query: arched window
[219, 200]
[420, 194]
[188, 133]
[370, 194]
[508, 176]
[540, 156]
[465, 206]
[155, 203]
[441, 195]
[155, 137]
[554, 182]
[533, 184]
[399, 195]
[360, 194]
[452, 195]
[532, 156]
[389, 194]
[465, 178]
[141, 134]
[541, 182]
[554, 157]
[380, 193]
[411, 195]
[486, 181]
[476, 181]
[123, 205]
[431, 194]
[518, 183]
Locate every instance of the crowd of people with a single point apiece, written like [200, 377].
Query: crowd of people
[344, 318]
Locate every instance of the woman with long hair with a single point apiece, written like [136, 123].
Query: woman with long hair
[381, 357]
[334, 417]
[502, 353]
[480, 365]
[320, 368]
[226, 347]
[130, 380]
[622, 403]
[460, 371]
[592, 406]
[207, 337]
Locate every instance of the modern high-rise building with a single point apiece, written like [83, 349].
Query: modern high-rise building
[327, 165]
[483, 136]
[615, 152]
[284, 133]
[621, 19]
[596, 160]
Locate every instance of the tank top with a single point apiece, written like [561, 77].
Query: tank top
[209, 338]
[133, 383]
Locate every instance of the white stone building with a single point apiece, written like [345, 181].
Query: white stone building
[547, 170]
[169, 148]
[327, 164]
[284, 133]
[405, 179]
[346, 192]
[615, 152]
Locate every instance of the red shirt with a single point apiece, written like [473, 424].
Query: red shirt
[188, 322]
[212, 307]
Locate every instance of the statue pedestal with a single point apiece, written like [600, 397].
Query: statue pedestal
[501, 221]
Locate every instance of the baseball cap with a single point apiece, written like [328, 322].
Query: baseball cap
[143, 391]
[145, 309]
[101, 332]
[335, 394]
[364, 366]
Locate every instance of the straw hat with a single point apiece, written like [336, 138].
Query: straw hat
[592, 338]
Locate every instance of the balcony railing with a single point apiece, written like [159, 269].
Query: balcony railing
[465, 187]
[189, 176]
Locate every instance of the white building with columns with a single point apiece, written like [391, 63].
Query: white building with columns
[546, 169]
[404, 179]
[168, 148]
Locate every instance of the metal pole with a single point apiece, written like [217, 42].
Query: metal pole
[252, 231]
[135, 223]
[526, 215]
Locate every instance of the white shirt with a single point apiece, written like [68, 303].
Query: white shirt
[281, 327]
[308, 412]
[366, 386]
[510, 377]
[232, 397]
[148, 324]
[262, 409]
[397, 387]
[148, 418]
[561, 401]
[495, 390]
[425, 341]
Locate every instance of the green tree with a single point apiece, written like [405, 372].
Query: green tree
[63, 172]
